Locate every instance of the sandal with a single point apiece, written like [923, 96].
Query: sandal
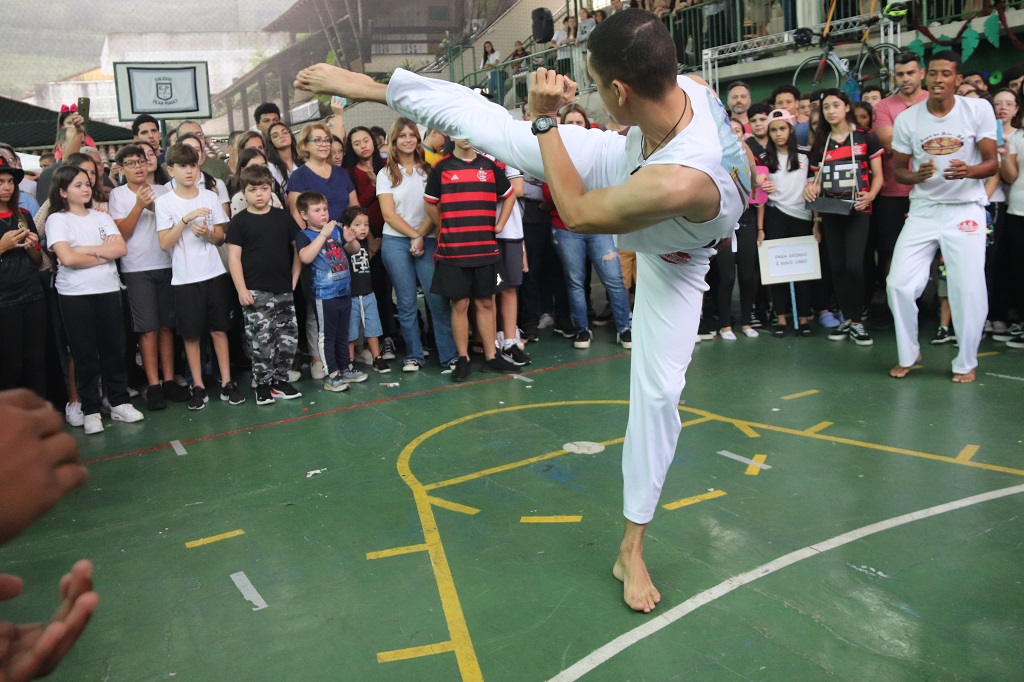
[805, 331]
[778, 331]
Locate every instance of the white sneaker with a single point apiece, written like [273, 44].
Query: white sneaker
[411, 366]
[365, 357]
[729, 335]
[545, 321]
[294, 375]
[750, 332]
[316, 369]
[93, 424]
[73, 414]
[125, 413]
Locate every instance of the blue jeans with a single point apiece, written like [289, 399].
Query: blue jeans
[405, 270]
[574, 249]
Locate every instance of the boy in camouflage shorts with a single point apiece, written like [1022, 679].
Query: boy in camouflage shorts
[265, 271]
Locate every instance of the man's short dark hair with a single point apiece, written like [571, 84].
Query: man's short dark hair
[143, 118]
[255, 175]
[180, 154]
[947, 56]
[907, 57]
[307, 199]
[790, 89]
[759, 108]
[979, 74]
[636, 48]
[736, 84]
[265, 108]
[129, 150]
[871, 88]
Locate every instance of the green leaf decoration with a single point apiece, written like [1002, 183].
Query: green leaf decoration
[969, 43]
[917, 45]
[995, 78]
[991, 29]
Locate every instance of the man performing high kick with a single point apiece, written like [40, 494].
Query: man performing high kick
[670, 189]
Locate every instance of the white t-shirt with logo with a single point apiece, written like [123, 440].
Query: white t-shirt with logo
[88, 230]
[144, 252]
[788, 196]
[954, 136]
[222, 187]
[408, 198]
[193, 259]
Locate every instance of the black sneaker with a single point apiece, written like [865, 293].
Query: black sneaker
[604, 317]
[706, 330]
[516, 356]
[943, 335]
[860, 335]
[564, 328]
[582, 339]
[387, 348]
[500, 365]
[263, 395]
[380, 365]
[199, 398]
[462, 369]
[155, 398]
[175, 392]
[754, 321]
[841, 332]
[625, 338]
[529, 333]
[450, 367]
[284, 391]
[229, 392]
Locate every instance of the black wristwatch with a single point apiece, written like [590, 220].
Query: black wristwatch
[542, 124]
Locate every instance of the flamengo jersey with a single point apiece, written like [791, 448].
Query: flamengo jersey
[466, 193]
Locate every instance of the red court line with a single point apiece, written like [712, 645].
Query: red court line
[346, 408]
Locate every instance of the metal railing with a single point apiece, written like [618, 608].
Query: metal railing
[703, 26]
[946, 11]
[508, 82]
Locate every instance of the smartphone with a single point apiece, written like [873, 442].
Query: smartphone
[339, 101]
[83, 107]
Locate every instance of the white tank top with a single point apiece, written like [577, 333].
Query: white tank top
[706, 144]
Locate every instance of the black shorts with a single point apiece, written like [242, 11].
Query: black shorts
[150, 299]
[511, 265]
[203, 306]
[456, 282]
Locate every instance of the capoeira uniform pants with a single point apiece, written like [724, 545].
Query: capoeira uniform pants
[959, 231]
[669, 287]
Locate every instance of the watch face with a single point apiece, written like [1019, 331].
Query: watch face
[543, 124]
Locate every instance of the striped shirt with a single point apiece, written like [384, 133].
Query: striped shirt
[466, 194]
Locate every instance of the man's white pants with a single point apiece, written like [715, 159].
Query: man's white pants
[959, 231]
[668, 290]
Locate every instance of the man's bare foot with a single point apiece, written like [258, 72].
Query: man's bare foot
[899, 371]
[324, 79]
[638, 590]
[965, 378]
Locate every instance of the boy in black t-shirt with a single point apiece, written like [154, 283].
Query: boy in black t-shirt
[265, 272]
[365, 319]
[461, 196]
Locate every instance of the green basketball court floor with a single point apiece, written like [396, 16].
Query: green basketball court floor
[821, 521]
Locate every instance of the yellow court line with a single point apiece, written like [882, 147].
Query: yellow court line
[395, 551]
[968, 452]
[820, 426]
[862, 444]
[214, 538]
[917, 367]
[453, 506]
[988, 354]
[687, 501]
[551, 519]
[801, 394]
[747, 431]
[415, 652]
[753, 469]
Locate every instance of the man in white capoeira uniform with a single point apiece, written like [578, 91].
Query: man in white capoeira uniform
[951, 142]
[670, 189]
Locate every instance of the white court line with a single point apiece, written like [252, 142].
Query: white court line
[522, 378]
[241, 581]
[1004, 376]
[179, 449]
[730, 455]
[663, 620]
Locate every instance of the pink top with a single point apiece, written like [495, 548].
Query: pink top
[759, 196]
[886, 112]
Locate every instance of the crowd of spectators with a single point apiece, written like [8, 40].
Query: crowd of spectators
[144, 274]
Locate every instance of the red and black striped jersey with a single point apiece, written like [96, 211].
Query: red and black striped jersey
[466, 194]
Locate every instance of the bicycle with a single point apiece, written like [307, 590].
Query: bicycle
[874, 63]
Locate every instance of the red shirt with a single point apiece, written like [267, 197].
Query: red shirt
[366, 192]
[886, 112]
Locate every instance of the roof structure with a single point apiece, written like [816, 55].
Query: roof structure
[25, 125]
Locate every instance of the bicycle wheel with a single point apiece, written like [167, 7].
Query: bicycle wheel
[807, 78]
[876, 67]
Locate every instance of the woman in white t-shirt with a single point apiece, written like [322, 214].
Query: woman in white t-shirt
[409, 242]
[785, 215]
[86, 243]
[1013, 243]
